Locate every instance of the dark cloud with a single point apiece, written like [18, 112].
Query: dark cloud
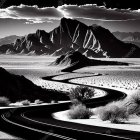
[30, 12]
[22, 19]
[134, 4]
[98, 12]
[34, 11]
[70, 11]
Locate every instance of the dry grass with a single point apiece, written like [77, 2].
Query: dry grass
[79, 112]
[120, 111]
[113, 113]
[37, 101]
[132, 103]
[26, 102]
[81, 93]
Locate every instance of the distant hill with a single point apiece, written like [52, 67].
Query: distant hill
[8, 39]
[92, 41]
[75, 60]
[17, 88]
[130, 37]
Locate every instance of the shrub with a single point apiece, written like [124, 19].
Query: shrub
[133, 104]
[81, 93]
[25, 102]
[54, 101]
[79, 112]
[119, 111]
[38, 101]
[113, 112]
[4, 101]
[76, 102]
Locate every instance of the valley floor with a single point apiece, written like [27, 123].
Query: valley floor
[123, 78]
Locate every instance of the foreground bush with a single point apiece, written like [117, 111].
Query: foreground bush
[4, 101]
[132, 104]
[113, 113]
[81, 93]
[79, 112]
[120, 111]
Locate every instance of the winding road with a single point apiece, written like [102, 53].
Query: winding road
[37, 122]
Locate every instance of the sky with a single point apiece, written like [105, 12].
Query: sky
[23, 18]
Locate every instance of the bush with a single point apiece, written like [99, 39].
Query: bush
[113, 112]
[119, 111]
[25, 102]
[133, 104]
[54, 101]
[79, 112]
[4, 101]
[81, 93]
[38, 101]
[76, 102]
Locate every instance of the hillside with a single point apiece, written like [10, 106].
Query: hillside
[17, 88]
[74, 60]
[130, 37]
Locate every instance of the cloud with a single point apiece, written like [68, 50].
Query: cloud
[34, 14]
[92, 11]
[38, 21]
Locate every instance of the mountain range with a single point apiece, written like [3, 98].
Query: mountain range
[131, 37]
[8, 39]
[91, 41]
[74, 60]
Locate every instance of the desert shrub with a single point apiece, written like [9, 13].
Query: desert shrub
[113, 112]
[75, 102]
[25, 102]
[119, 111]
[4, 101]
[38, 101]
[133, 104]
[54, 101]
[79, 112]
[81, 93]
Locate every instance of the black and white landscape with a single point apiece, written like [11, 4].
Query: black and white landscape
[69, 70]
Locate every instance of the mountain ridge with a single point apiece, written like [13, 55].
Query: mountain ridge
[130, 37]
[8, 39]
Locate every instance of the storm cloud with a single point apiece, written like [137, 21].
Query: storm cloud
[22, 19]
[31, 13]
[70, 11]
[98, 12]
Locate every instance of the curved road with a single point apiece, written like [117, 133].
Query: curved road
[36, 122]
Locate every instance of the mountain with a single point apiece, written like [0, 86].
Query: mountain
[133, 37]
[127, 36]
[75, 60]
[36, 43]
[17, 88]
[8, 39]
[92, 41]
